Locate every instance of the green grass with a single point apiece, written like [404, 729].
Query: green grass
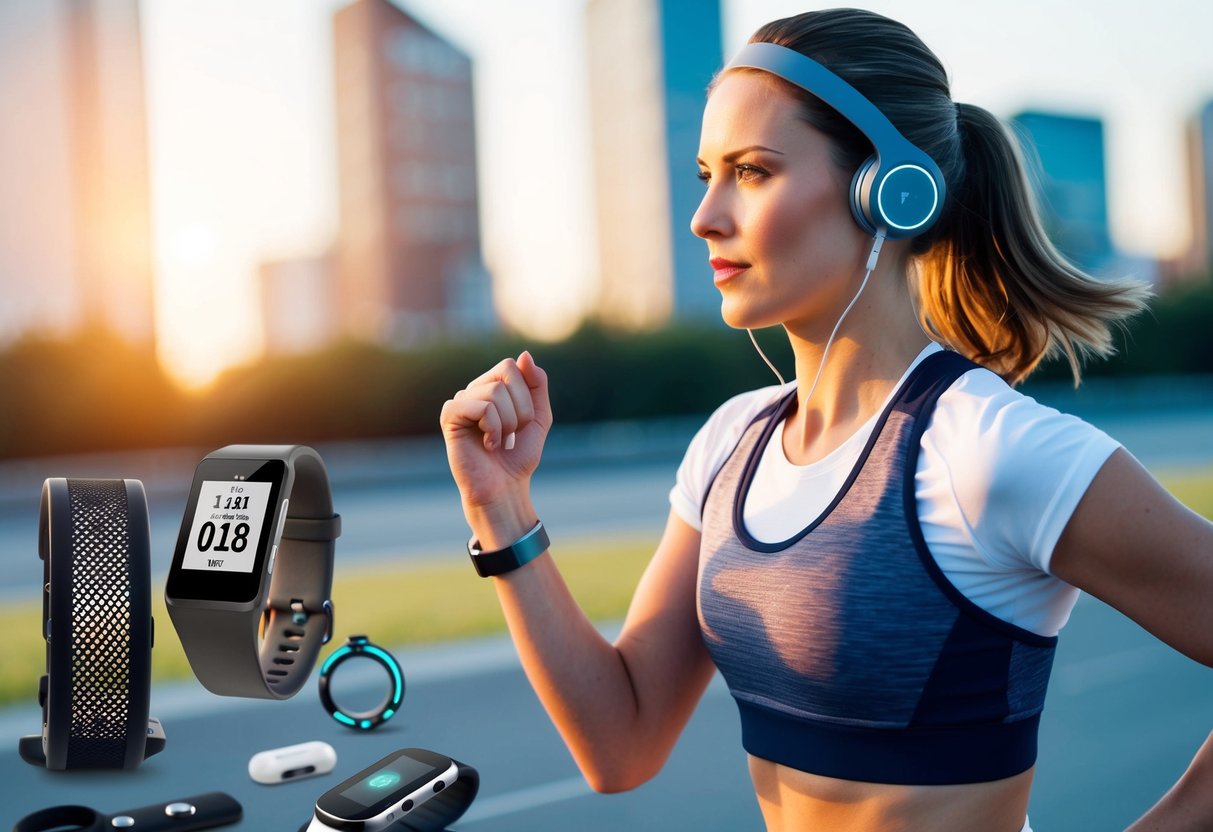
[1192, 488]
[403, 605]
[395, 606]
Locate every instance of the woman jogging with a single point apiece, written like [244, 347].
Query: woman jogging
[879, 556]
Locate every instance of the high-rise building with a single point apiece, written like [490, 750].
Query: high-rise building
[75, 228]
[1065, 157]
[297, 304]
[1200, 164]
[650, 63]
[409, 262]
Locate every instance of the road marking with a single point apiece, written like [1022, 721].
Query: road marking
[523, 799]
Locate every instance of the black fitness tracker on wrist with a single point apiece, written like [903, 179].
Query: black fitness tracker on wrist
[201, 811]
[519, 553]
[95, 543]
[420, 790]
[255, 554]
[361, 647]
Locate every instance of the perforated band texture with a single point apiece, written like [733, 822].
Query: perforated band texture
[94, 540]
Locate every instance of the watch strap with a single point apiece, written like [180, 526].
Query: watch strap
[268, 653]
[201, 811]
[519, 553]
[94, 538]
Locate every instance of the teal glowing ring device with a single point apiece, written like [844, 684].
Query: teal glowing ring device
[361, 647]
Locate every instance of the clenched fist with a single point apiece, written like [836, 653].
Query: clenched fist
[494, 431]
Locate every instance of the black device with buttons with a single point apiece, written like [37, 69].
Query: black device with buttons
[202, 811]
[255, 555]
[410, 789]
[94, 542]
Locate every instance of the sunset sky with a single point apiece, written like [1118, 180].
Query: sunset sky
[240, 98]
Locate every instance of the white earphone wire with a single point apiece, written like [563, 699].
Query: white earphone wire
[873, 257]
[763, 355]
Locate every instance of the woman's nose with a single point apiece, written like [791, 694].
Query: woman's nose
[712, 218]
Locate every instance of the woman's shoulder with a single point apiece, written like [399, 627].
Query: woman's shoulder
[980, 404]
[1013, 466]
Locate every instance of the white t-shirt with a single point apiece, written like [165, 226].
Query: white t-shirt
[997, 479]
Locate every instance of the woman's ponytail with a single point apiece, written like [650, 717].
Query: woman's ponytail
[993, 286]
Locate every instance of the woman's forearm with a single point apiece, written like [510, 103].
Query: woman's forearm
[580, 677]
[1188, 806]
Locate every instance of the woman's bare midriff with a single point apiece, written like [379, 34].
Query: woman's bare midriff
[794, 801]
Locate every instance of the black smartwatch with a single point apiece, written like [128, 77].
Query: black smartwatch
[519, 553]
[410, 789]
[255, 555]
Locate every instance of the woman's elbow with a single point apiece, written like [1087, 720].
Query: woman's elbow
[618, 775]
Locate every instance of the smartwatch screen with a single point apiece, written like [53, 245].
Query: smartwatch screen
[228, 517]
[373, 790]
[225, 532]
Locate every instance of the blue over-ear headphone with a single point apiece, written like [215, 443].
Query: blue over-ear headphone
[900, 189]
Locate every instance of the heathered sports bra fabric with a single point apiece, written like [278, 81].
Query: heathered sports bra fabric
[848, 652]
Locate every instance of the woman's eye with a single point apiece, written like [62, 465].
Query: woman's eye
[749, 173]
[704, 176]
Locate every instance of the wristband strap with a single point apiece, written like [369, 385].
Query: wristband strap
[201, 811]
[519, 553]
[94, 540]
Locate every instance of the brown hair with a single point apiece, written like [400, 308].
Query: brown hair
[990, 284]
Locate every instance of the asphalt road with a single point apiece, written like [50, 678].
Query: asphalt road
[398, 502]
[1124, 715]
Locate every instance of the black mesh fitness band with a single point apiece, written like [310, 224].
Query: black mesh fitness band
[95, 543]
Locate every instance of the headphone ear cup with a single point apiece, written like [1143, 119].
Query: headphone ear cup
[862, 207]
[907, 200]
[912, 197]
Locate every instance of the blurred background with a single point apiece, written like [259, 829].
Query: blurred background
[311, 221]
[212, 208]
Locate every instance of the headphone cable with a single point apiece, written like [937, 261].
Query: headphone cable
[873, 257]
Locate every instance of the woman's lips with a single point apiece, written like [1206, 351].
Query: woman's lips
[725, 270]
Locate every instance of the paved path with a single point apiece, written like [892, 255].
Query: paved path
[1124, 714]
[1123, 718]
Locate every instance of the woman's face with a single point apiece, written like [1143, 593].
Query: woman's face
[783, 246]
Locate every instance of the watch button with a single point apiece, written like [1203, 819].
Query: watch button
[281, 521]
[122, 822]
[179, 810]
[439, 786]
[273, 557]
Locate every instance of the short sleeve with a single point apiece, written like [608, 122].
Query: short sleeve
[1015, 469]
[711, 446]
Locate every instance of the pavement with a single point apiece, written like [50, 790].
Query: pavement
[1123, 717]
[1124, 714]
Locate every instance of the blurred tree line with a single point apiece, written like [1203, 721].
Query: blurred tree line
[96, 392]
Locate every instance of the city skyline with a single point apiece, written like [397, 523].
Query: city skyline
[243, 144]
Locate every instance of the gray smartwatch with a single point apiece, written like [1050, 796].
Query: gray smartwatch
[256, 543]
